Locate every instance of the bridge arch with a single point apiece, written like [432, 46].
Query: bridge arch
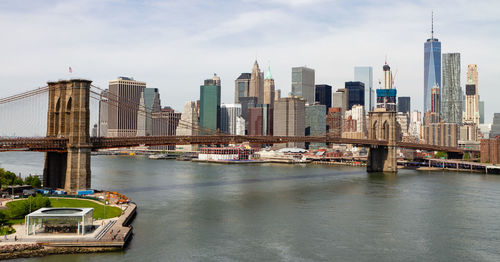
[68, 106]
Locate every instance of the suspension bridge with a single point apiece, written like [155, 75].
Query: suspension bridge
[72, 108]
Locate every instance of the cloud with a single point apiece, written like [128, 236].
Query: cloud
[175, 45]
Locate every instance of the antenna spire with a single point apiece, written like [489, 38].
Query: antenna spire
[432, 25]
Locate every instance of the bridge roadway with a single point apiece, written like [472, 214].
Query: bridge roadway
[50, 144]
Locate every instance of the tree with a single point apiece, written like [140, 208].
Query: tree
[441, 154]
[20, 208]
[34, 181]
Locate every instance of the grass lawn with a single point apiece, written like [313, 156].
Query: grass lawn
[111, 211]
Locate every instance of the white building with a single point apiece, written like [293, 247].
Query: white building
[188, 125]
[229, 114]
[358, 113]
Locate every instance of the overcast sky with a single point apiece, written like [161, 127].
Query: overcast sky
[175, 45]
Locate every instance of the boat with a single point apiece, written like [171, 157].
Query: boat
[161, 156]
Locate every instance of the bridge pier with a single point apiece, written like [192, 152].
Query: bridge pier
[68, 117]
[382, 126]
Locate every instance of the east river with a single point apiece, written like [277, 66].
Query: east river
[271, 212]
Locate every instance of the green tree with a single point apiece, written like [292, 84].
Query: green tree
[20, 208]
[34, 181]
[441, 154]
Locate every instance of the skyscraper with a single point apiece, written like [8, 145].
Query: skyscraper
[324, 96]
[355, 94]
[386, 96]
[148, 104]
[315, 124]
[434, 116]
[124, 97]
[404, 104]
[303, 83]
[256, 87]
[365, 74]
[481, 112]
[289, 119]
[451, 92]
[241, 86]
[210, 105]
[432, 67]
[228, 118]
[188, 125]
[268, 88]
[472, 115]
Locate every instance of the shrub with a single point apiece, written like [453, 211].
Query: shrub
[20, 208]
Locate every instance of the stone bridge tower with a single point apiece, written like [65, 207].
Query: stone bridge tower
[68, 117]
[383, 126]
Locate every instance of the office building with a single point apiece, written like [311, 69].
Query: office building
[289, 119]
[451, 92]
[256, 88]
[148, 104]
[188, 125]
[386, 96]
[246, 103]
[358, 114]
[124, 97]
[364, 74]
[260, 120]
[495, 126]
[277, 94]
[269, 91]
[323, 96]
[472, 114]
[403, 120]
[441, 134]
[432, 68]
[210, 106]
[241, 87]
[103, 114]
[164, 123]
[404, 104]
[490, 150]
[433, 116]
[229, 114]
[355, 94]
[315, 124]
[339, 99]
[334, 121]
[481, 112]
[303, 83]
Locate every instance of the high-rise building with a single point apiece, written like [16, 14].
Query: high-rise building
[415, 124]
[303, 83]
[148, 104]
[210, 105]
[260, 120]
[481, 112]
[495, 126]
[402, 119]
[256, 88]
[103, 114]
[324, 96]
[339, 99]
[268, 88]
[441, 134]
[432, 67]
[355, 94]
[358, 114]
[229, 114]
[277, 94]
[433, 116]
[241, 86]
[404, 104]
[246, 103]
[472, 115]
[334, 121]
[451, 92]
[124, 97]
[315, 124]
[364, 74]
[289, 119]
[386, 96]
[188, 125]
[164, 123]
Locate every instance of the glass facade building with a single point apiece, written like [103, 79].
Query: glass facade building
[303, 83]
[324, 96]
[355, 94]
[364, 74]
[241, 86]
[209, 108]
[451, 92]
[432, 69]
[315, 124]
[404, 105]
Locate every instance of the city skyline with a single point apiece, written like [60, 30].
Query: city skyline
[223, 47]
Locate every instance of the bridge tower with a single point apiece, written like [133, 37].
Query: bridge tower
[68, 117]
[382, 126]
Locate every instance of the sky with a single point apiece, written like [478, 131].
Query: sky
[175, 45]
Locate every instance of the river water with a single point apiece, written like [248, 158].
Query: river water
[272, 212]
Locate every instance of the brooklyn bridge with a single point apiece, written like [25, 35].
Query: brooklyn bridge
[68, 143]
